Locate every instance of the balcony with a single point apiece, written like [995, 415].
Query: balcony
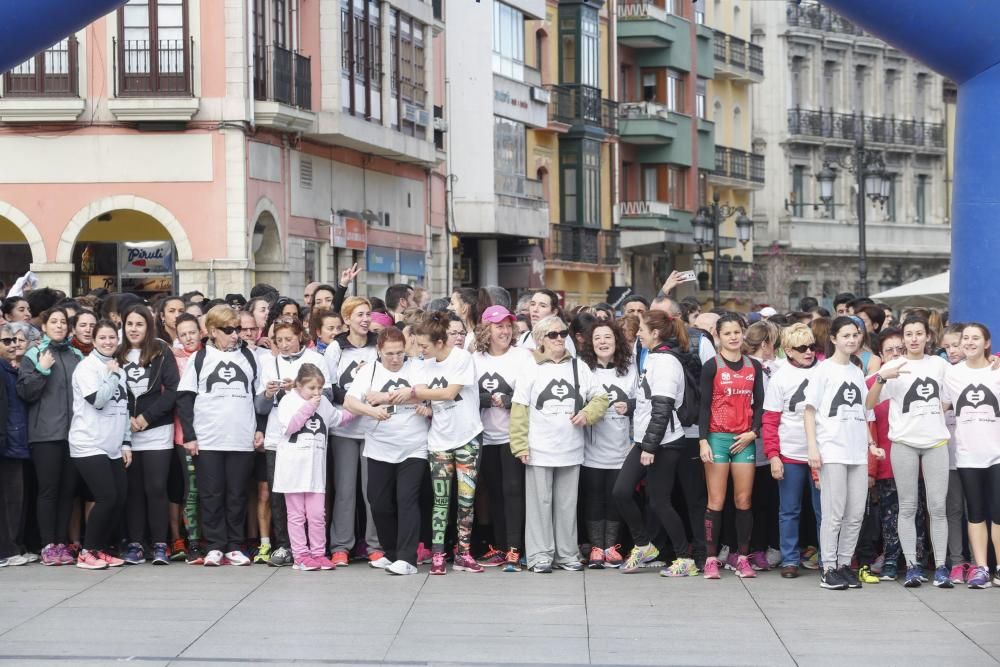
[651, 223]
[648, 123]
[840, 237]
[644, 24]
[153, 82]
[44, 88]
[813, 16]
[738, 59]
[737, 169]
[283, 89]
[735, 275]
[521, 207]
[577, 105]
[815, 126]
[570, 243]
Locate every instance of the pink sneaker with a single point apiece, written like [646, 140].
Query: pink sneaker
[758, 561]
[732, 560]
[324, 563]
[50, 555]
[711, 570]
[959, 573]
[437, 563]
[466, 563]
[306, 564]
[743, 568]
[112, 561]
[423, 554]
[89, 560]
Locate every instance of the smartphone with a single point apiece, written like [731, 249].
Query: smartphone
[688, 277]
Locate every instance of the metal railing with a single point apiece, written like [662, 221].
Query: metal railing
[643, 208]
[738, 53]
[851, 127]
[52, 73]
[734, 276]
[578, 103]
[517, 185]
[640, 9]
[146, 69]
[287, 78]
[818, 17]
[570, 243]
[756, 59]
[734, 163]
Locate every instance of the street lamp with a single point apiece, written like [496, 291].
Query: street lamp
[868, 167]
[705, 226]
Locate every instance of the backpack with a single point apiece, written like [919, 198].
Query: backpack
[688, 410]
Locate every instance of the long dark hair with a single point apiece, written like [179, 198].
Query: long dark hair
[275, 312]
[151, 346]
[161, 305]
[622, 358]
[471, 298]
[835, 327]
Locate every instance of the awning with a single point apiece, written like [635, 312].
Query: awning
[929, 292]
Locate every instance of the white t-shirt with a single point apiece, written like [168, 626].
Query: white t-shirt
[455, 423]
[224, 417]
[610, 439]
[137, 380]
[769, 368]
[404, 434]
[281, 368]
[662, 375]
[548, 391]
[343, 365]
[300, 462]
[838, 392]
[975, 396]
[786, 393]
[94, 431]
[499, 375]
[916, 417]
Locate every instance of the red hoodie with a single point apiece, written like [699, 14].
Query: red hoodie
[182, 356]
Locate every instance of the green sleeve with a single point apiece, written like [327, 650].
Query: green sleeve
[519, 429]
[595, 409]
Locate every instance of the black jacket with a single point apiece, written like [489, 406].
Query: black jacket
[661, 416]
[157, 404]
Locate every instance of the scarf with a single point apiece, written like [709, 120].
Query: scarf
[84, 348]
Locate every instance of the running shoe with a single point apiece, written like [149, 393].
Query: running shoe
[360, 551]
[4, 562]
[759, 561]
[681, 567]
[423, 554]
[831, 580]
[544, 567]
[513, 562]
[112, 561]
[743, 568]
[850, 576]
[640, 556]
[723, 553]
[340, 558]
[238, 558]
[464, 563]
[866, 576]
[323, 562]
[306, 564]
[889, 572]
[493, 558]
[996, 578]
[195, 556]
[17, 560]
[712, 567]
[613, 557]
[979, 577]
[437, 563]
[376, 555]
[213, 558]
[134, 555]
[731, 560]
[942, 578]
[178, 551]
[380, 563]
[281, 557]
[571, 566]
[263, 554]
[877, 564]
[773, 557]
[401, 567]
[960, 573]
[32, 556]
[913, 577]
[810, 558]
[160, 556]
[596, 560]
[89, 560]
[70, 552]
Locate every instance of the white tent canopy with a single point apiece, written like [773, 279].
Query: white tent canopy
[929, 292]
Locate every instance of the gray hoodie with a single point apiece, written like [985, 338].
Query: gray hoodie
[48, 393]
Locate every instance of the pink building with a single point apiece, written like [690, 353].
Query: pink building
[177, 145]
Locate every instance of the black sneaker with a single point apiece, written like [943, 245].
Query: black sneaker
[849, 576]
[832, 580]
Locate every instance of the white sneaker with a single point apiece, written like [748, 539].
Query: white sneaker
[32, 557]
[773, 557]
[18, 560]
[380, 563]
[213, 558]
[237, 558]
[400, 567]
[723, 553]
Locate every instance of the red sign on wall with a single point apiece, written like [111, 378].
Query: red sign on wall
[349, 233]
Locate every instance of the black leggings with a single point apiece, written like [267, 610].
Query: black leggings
[502, 474]
[108, 481]
[11, 506]
[765, 511]
[147, 494]
[279, 513]
[394, 495]
[659, 485]
[222, 479]
[982, 493]
[599, 506]
[57, 477]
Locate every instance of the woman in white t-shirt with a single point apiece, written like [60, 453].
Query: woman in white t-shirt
[543, 303]
[395, 448]
[465, 305]
[919, 436]
[973, 389]
[784, 438]
[447, 379]
[99, 436]
[499, 366]
[838, 443]
[553, 401]
[151, 376]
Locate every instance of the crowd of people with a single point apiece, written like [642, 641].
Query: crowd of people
[486, 433]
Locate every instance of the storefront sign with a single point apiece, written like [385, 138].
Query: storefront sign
[412, 263]
[349, 233]
[381, 260]
[146, 257]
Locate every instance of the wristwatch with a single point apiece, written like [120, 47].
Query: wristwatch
[879, 379]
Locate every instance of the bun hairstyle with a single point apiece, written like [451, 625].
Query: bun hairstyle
[309, 372]
[390, 335]
[759, 333]
[434, 325]
[666, 328]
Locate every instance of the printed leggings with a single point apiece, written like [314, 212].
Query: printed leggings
[189, 508]
[446, 466]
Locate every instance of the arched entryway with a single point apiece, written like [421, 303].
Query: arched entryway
[267, 249]
[20, 244]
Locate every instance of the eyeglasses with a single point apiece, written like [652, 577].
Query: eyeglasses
[229, 331]
[8, 341]
[552, 335]
[802, 349]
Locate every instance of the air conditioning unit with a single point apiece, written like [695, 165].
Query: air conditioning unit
[440, 125]
[423, 118]
[410, 113]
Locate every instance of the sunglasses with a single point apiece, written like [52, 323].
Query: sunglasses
[229, 331]
[8, 341]
[552, 335]
[802, 349]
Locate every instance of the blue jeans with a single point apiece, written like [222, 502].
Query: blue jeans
[797, 477]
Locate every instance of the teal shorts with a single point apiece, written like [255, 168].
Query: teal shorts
[720, 444]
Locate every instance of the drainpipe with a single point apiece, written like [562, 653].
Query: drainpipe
[615, 155]
[249, 44]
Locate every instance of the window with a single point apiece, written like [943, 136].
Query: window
[53, 72]
[567, 41]
[860, 74]
[737, 133]
[591, 183]
[675, 92]
[921, 199]
[407, 71]
[579, 39]
[649, 182]
[648, 87]
[891, 76]
[580, 166]
[677, 187]
[920, 98]
[669, 6]
[508, 41]
[280, 20]
[153, 53]
[699, 99]
[699, 12]
[798, 191]
[829, 69]
[569, 160]
[796, 82]
[589, 47]
[509, 155]
[361, 57]
[890, 204]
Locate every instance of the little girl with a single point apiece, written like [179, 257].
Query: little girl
[306, 418]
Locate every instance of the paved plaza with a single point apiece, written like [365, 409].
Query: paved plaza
[186, 615]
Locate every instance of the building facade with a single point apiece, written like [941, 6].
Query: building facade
[176, 145]
[829, 87]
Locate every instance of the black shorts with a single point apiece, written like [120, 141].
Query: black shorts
[259, 467]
